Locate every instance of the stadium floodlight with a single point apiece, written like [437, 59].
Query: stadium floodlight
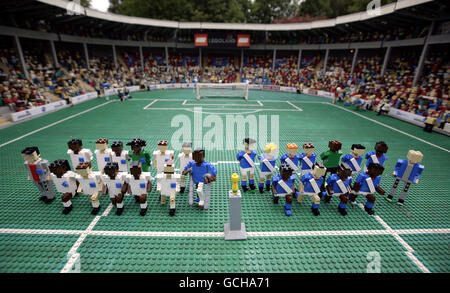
[222, 90]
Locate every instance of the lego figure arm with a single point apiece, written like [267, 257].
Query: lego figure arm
[188, 168]
[419, 172]
[397, 167]
[239, 156]
[211, 175]
[90, 155]
[28, 170]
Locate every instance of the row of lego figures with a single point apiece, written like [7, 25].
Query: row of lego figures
[117, 181]
[313, 181]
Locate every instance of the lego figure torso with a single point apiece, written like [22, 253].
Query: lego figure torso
[307, 162]
[114, 185]
[67, 183]
[38, 171]
[267, 166]
[291, 161]
[160, 159]
[311, 185]
[103, 158]
[246, 160]
[91, 184]
[139, 186]
[368, 185]
[164, 183]
[144, 158]
[280, 185]
[199, 171]
[85, 155]
[353, 162]
[184, 160]
[408, 172]
[122, 160]
[339, 186]
[371, 157]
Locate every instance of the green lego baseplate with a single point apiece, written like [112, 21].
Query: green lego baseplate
[37, 237]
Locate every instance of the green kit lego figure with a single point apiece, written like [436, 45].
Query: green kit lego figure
[140, 155]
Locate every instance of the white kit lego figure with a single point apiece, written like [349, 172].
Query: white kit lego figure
[267, 166]
[91, 184]
[65, 182]
[77, 153]
[102, 153]
[307, 159]
[168, 184]
[139, 184]
[115, 185]
[160, 155]
[246, 160]
[120, 156]
[184, 157]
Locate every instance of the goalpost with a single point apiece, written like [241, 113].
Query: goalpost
[221, 90]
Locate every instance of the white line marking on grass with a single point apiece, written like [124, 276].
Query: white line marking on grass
[184, 103]
[148, 106]
[54, 123]
[211, 104]
[259, 102]
[299, 109]
[390, 127]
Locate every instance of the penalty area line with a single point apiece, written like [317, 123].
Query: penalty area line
[298, 108]
[148, 106]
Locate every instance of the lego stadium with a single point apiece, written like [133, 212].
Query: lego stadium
[244, 136]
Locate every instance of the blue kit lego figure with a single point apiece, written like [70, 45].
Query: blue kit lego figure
[291, 158]
[307, 158]
[339, 185]
[283, 186]
[310, 185]
[367, 184]
[246, 160]
[378, 156]
[408, 171]
[354, 159]
[202, 174]
[267, 166]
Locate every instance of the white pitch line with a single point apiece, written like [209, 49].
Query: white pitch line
[247, 105]
[54, 123]
[299, 109]
[220, 109]
[148, 106]
[184, 103]
[259, 102]
[390, 127]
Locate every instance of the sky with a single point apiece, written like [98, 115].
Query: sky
[101, 5]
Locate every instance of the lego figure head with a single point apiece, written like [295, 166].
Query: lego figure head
[271, 150]
[358, 150]
[334, 145]
[374, 170]
[186, 148]
[308, 148]
[319, 170]
[292, 149]
[117, 147]
[198, 156]
[249, 144]
[75, 145]
[111, 169]
[136, 169]
[344, 171]
[84, 169]
[163, 145]
[381, 147]
[136, 145]
[31, 154]
[285, 171]
[169, 167]
[59, 167]
[101, 144]
[414, 156]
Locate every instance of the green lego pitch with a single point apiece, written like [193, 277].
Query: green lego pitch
[36, 237]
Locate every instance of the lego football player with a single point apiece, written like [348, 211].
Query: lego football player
[338, 184]
[102, 153]
[115, 185]
[408, 171]
[65, 182]
[139, 154]
[38, 171]
[331, 157]
[119, 156]
[184, 157]
[378, 156]
[202, 173]
[354, 159]
[246, 160]
[139, 185]
[77, 153]
[307, 158]
[267, 166]
[168, 184]
[91, 184]
[292, 158]
[160, 156]
[310, 184]
[283, 186]
[367, 184]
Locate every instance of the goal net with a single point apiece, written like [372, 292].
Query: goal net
[238, 90]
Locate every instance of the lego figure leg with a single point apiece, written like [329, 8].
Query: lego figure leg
[393, 189]
[268, 179]
[172, 204]
[261, 184]
[162, 199]
[288, 205]
[402, 196]
[343, 204]
[252, 179]
[191, 190]
[315, 205]
[244, 181]
[95, 203]
[368, 207]
[182, 183]
[67, 203]
[201, 196]
[119, 204]
[207, 196]
[143, 203]
[46, 189]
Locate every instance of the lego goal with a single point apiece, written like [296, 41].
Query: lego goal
[222, 90]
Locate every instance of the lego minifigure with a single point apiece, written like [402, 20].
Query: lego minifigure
[120, 156]
[331, 157]
[267, 166]
[77, 153]
[138, 154]
[139, 185]
[115, 185]
[338, 184]
[38, 171]
[408, 171]
[102, 153]
[291, 158]
[91, 183]
[354, 159]
[283, 186]
[168, 184]
[160, 156]
[184, 157]
[310, 184]
[202, 172]
[246, 160]
[366, 184]
[378, 156]
[65, 182]
[308, 158]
